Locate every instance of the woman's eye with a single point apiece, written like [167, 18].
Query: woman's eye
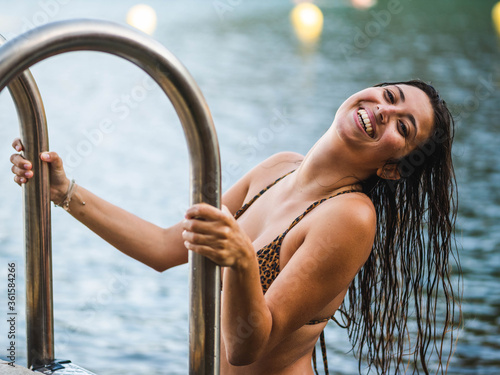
[390, 96]
[404, 129]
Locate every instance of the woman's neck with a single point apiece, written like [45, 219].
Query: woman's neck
[325, 170]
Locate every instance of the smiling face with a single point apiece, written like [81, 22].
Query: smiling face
[383, 124]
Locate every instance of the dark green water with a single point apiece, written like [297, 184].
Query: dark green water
[254, 75]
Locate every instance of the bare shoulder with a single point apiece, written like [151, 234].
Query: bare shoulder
[355, 208]
[349, 224]
[259, 177]
[271, 169]
[286, 157]
[274, 167]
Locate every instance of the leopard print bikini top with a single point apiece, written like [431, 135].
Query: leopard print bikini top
[269, 261]
[269, 255]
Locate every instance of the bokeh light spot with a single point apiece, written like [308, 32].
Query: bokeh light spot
[142, 17]
[495, 13]
[363, 4]
[307, 21]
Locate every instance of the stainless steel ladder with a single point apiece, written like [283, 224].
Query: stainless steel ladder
[20, 53]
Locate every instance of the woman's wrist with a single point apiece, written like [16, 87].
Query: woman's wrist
[59, 193]
[246, 261]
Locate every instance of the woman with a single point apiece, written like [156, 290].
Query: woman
[367, 213]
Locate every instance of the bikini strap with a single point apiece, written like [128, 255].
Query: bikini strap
[323, 352]
[242, 210]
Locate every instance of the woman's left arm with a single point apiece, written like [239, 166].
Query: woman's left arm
[216, 234]
[322, 267]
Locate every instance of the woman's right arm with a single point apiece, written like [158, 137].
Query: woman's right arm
[159, 248]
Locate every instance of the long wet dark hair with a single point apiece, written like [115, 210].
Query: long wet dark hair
[403, 305]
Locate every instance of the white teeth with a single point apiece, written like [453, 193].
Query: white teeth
[365, 120]
[365, 117]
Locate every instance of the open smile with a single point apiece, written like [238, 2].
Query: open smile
[364, 121]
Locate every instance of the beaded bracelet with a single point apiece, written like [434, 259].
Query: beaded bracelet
[67, 198]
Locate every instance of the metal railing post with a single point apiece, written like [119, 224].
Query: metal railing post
[22, 52]
[37, 224]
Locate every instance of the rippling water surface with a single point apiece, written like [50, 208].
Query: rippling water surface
[267, 94]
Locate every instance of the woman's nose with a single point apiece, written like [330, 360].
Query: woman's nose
[385, 112]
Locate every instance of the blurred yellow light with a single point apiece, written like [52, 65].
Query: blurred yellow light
[142, 17]
[307, 21]
[363, 4]
[495, 13]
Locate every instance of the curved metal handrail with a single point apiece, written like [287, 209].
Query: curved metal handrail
[37, 224]
[76, 35]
